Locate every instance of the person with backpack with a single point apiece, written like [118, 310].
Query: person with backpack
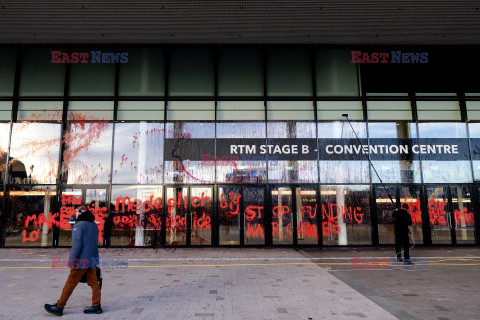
[83, 260]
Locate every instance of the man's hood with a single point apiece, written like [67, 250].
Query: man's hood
[86, 216]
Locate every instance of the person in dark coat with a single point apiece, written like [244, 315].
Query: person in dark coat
[402, 219]
[83, 259]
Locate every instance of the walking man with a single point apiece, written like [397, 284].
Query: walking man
[402, 219]
[83, 260]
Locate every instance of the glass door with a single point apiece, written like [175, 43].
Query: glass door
[400, 195]
[95, 199]
[450, 212]
[229, 203]
[177, 206]
[284, 224]
[253, 212]
[200, 226]
[306, 215]
[241, 215]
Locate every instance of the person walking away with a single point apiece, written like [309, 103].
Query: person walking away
[83, 259]
[402, 219]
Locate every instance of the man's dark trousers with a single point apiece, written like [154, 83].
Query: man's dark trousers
[402, 240]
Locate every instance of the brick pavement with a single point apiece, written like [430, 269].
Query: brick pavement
[185, 284]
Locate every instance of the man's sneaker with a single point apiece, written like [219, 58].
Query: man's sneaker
[94, 310]
[399, 260]
[54, 309]
[407, 261]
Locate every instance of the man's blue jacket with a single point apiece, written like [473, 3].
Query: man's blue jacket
[84, 253]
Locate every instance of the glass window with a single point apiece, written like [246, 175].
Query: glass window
[7, 72]
[334, 110]
[240, 72]
[394, 168]
[144, 74]
[92, 79]
[438, 110]
[290, 110]
[140, 110]
[345, 170]
[473, 110]
[4, 137]
[190, 110]
[346, 215]
[34, 152]
[39, 76]
[138, 153]
[245, 110]
[87, 154]
[136, 215]
[389, 110]
[289, 73]
[248, 168]
[187, 144]
[90, 110]
[191, 72]
[292, 171]
[5, 110]
[40, 110]
[30, 221]
[336, 75]
[443, 167]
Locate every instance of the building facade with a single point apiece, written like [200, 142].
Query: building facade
[239, 145]
[239, 123]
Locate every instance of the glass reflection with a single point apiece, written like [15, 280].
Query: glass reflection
[186, 170]
[34, 152]
[343, 171]
[291, 171]
[346, 214]
[138, 153]
[241, 171]
[395, 171]
[458, 171]
[87, 152]
[306, 210]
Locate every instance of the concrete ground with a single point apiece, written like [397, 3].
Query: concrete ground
[234, 283]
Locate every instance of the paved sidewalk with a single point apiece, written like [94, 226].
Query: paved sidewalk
[213, 283]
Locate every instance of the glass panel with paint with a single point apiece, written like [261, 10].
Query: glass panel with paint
[439, 215]
[229, 202]
[306, 212]
[34, 152]
[32, 216]
[136, 215]
[254, 215]
[177, 208]
[187, 143]
[282, 215]
[346, 214]
[201, 202]
[138, 153]
[4, 137]
[463, 217]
